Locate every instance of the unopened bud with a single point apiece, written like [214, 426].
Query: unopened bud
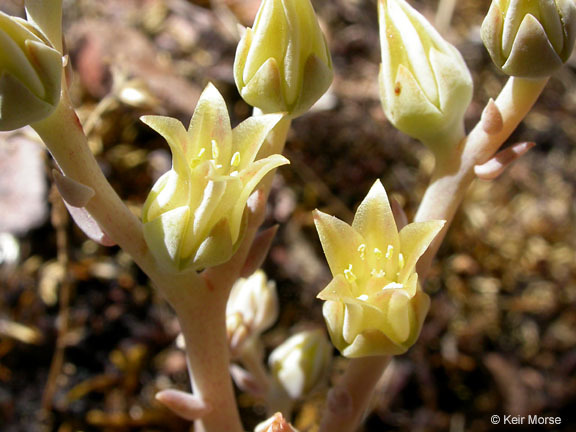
[530, 38]
[425, 85]
[30, 74]
[283, 64]
[301, 363]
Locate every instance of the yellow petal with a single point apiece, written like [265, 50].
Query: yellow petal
[216, 248]
[174, 133]
[249, 136]
[205, 216]
[240, 57]
[338, 240]
[251, 177]
[400, 316]
[164, 236]
[211, 123]
[372, 343]
[264, 89]
[374, 220]
[415, 239]
[269, 37]
[531, 37]
[334, 315]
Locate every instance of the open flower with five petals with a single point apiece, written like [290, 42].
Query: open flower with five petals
[193, 217]
[374, 305]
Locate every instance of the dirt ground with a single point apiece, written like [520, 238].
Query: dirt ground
[501, 334]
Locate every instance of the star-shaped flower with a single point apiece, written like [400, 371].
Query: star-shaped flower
[374, 305]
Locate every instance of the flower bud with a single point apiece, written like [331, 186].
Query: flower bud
[30, 74]
[374, 305]
[425, 85]
[530, 38]
[276, 423]
[256, 301]
[301, 363]
[283, 63]
[194, 215]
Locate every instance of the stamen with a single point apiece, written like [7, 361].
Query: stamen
[389, 251]
[215, 151]
[401, 262]
[201, 152]
[235, 161]
[377, 273]
[378, 253]
[362, 250]
[393, 285]
[350, 277]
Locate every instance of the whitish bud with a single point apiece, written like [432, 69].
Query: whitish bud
[276, 423]
[283, 64]
[256, 301]
[30, 74]
[425, 85]
[530, 38]
[301, 363]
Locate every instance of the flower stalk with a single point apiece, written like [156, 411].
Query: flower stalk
[453, 175]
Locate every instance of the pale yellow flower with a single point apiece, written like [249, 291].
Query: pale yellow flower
[374, 305]
[530, 38]
[252, 308]
[193, 217]
[282, 63]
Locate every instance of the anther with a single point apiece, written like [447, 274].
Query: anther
[378, 253]
[235, 161]
[362, 250]
[215, 152]
[401, 260]
[350, 277]
[389, 251]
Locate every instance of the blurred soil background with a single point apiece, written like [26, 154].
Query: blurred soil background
[501, 334]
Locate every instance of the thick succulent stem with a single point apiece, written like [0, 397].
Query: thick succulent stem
[454, 172]
[65, 139]
[348, 401]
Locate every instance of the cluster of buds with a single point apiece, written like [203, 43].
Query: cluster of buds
[425, 85]
[374, 305]
[283, 63]
[194, 217]
[252, 308]
[301, 363]
[30, 73]
[530, 39]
